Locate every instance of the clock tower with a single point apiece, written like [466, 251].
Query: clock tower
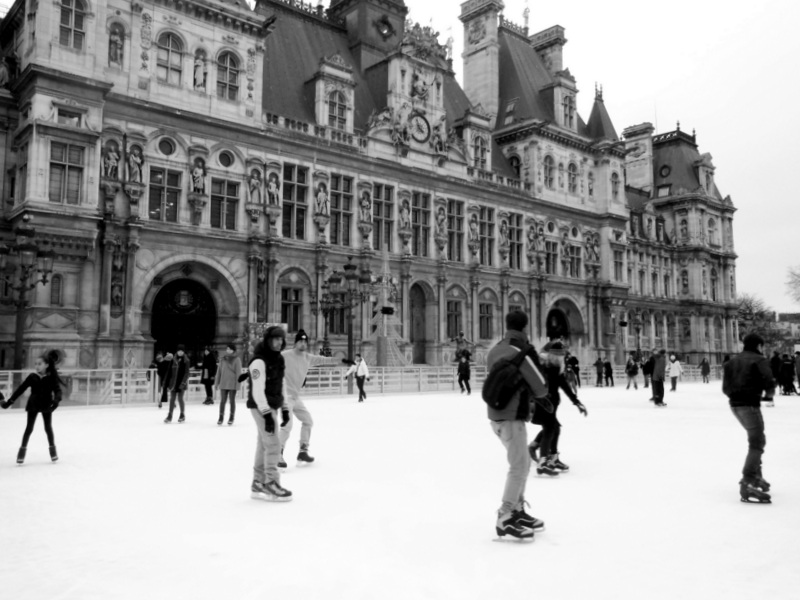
[374, 27]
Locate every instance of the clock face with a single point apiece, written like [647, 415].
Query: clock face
[420, 129]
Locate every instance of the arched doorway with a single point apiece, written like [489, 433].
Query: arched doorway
[417, 323]
[565, 321]
[557, 325]
[184, 313]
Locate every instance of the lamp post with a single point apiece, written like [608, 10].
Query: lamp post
[637, 326]
[31, 262]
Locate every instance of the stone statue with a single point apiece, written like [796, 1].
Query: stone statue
[323, 204]
[504, 241]
[115, 46]
[439, 136]
[111, 162]
[200, 72]
[684, 229]
[405, 215]
[199, 176]
[419, 88]
[366, 208]
[474, 232]
[441, 222]
[135, 161]
[254, 187]
[273, 189]
[4, 74]
[116, 293]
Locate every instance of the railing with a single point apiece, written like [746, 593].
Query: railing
[393, 380]
[691, 373]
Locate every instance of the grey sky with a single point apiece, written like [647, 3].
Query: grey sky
[730, 70]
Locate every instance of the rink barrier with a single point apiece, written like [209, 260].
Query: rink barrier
[99, 387]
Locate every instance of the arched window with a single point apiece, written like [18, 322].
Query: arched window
[516, 165]
[55, 290]
[170, 58]
[549, 172]
[72, 32]
[572, 178]
[228, 76]
[615, 185]
[337, 111]
[479, 152]
[714, 285]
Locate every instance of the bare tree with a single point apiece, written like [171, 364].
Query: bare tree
[755, 316]
[793, 283]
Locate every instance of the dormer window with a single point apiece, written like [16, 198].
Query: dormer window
[572, 178]
[337, 111]
[479, 152]
[549, 172]
[615, 185]
[228, 76]
[569, 111]
[516, 165]
[72, 32]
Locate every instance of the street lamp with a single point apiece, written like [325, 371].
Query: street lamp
[32, 262]
[637, 325]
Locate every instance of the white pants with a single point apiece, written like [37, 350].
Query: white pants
[299, 410]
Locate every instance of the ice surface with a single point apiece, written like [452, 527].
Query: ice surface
[400, 504]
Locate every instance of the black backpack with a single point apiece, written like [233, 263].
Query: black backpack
[504, 380]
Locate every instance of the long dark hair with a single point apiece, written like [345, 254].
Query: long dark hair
[51, 358]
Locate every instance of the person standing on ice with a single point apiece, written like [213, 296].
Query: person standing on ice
[647, 369]
[298, 361]
[546, 442]
[674, 370]
[178, 383]
[464, 373]
[226, 381]
[705, 369]
[659, 373]
[608, 372]
[598, 367]
[746, 377]
[361, 372]
[508, 423]
[266, 403]
[632, 370]
[45, 385]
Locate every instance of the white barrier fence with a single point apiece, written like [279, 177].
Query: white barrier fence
[99, 387]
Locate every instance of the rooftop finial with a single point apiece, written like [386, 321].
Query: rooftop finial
[598, 91]
[679, 125]
[449, 44]
[526, 14]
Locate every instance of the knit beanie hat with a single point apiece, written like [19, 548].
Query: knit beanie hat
[301, 336]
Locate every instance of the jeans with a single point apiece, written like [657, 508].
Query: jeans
[47, 417]
[172, 395]
[362, 395]
[514, 437]
[464, 382]
[647, 381]
[632, 380]
[752, 421]
[299, 410]
[658, 391]
[547, 438]
[599, 382]
[224, 395]
[609, 381]
[209, 385]
[268, 450]
[674, 381]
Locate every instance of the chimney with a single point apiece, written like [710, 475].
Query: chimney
[481, 53]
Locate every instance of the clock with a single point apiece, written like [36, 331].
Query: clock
[420, 128]
[384, 27]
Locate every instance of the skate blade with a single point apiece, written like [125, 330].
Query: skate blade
[302, 463]
[755, 501]
[271, 498]
[514, 540]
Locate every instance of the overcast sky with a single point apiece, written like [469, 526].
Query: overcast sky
[730, 70]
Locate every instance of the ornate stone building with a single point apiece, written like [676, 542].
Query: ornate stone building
[200, 167]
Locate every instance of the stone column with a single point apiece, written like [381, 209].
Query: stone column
[405, 285]
[128, 325]
[474, 283]
[532, 314]
[504, 288]
[589, 318]
[665, 329]
[253, 260]
[442, 293]
[273, 307]
[652, 339]
[104, 314]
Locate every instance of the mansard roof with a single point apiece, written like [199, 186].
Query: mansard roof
[600, 126]
[678, 151]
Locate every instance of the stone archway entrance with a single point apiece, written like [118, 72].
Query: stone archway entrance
[184, 313]
[418, 323]
[557, 325]
[565, 321]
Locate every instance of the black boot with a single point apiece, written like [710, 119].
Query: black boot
[21, 455]
[53, 454]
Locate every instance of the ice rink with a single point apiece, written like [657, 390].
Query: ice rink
[400, 504]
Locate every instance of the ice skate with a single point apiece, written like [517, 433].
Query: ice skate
[219, 421]
[508, 524]
[526, 520]
[53, 453]
[556, 463]
[282, 463]
[168, 420]
[533, 448]
[304, 458]
[762, 484]
[545, 468]
[21, 455]
[181, 419]
[230, 421]
[257, 491]
[276, 493]
[750, 493]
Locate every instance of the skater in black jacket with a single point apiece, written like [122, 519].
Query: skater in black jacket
[45, 396]
[546, 441]
[464, 374]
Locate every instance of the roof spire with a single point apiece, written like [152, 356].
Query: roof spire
[679, 126]
[598, 91]
[526, 15]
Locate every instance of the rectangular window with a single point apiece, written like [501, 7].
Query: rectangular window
[382, 217]
[455, 231]
[295, 199]
[666, 285]
[165, 195]
[292, 308]
[642, 289]
[66, 173]
[420, 224]
[23, 175]
[618, 265]
[341, 209]
[575, 261]
[67, 117]
[486, 233]
[485, 321]
[337, 322]
[224, 203]
[551, 258]
[454, 325]
[515, 241]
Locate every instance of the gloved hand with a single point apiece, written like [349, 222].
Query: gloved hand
[285, 417]
[368, 379]
[53, 406]
[5, 404]
[582, 409]
[269, 422]
[243, 377]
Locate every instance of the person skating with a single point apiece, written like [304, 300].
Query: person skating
[45, 396]
[787, 375]
[464, 372]
[178, 383]
[508, 424]
[269, 410]
[647, 369]
[632, 370]
[573, 363]
[164, 371]
[658, 377]
[608, 372]
[746, 378]
[226, 380]
[546, 441]
[208, 375]
[705, 369]
[674, 370]
[361, 372]
[598, 367]
[298, 361]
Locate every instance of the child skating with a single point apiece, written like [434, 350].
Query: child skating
[464, 373]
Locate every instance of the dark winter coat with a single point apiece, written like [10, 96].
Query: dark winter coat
[162, 368]
[209, 368]
[519, 407]
[660, 368]
[273, 378]
[556, 382]
[705, 368]
[598, 365]
[573, 363]
[632, 368]
[647, 367]
[608, 369]
[173, 383]
[45, 393]
[775, 365]
[787, 372]
[464, 370]
[746, 377]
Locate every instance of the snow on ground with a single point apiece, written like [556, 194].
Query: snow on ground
[400, 504]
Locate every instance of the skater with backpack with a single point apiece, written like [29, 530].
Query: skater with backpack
[45, 386]
[746, 378]
[269, 411]
[512, 385]
[548, 462]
